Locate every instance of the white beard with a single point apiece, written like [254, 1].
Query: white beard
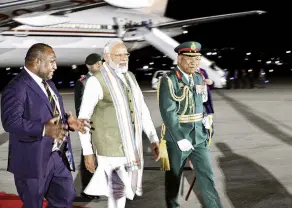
[117, 67]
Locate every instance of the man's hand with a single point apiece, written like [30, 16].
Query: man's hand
[156, 151]
[89, 161]
[56, 131]
[77, 124]
[209, 81]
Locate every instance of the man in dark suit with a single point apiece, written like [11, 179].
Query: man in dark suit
[93, 63]
[210, 84]
[40, 153]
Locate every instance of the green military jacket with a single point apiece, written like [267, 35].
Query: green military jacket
[180, 106]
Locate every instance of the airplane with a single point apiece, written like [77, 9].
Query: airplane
[76, 28]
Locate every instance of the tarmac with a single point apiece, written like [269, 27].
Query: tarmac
[250, 153]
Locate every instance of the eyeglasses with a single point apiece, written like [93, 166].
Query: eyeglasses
[120, 55]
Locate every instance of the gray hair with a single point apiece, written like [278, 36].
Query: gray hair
[110, 44]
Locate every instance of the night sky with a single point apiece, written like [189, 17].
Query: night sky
[269, 31]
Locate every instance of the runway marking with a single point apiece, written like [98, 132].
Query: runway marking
[72, 93]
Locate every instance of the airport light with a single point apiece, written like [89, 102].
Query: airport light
[259, 60]
[214, 53]
[288, 51]
[248, 53]
[250, 70]
[145, 67]
[271, 70]
[268, 62]
[7, 68]
[74, 66]
[151, 63]
[209, 53]
[185, 32]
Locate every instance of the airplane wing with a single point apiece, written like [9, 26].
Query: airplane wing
[195, 21]
[11, 10]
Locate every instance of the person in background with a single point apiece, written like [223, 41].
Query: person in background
[93, 63]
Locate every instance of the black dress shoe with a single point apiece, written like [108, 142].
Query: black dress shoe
[90, 196]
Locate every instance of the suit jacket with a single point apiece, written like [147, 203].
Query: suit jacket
[209, 104]
[25, 109]
[78, 91]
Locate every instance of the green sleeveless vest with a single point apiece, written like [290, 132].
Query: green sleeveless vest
[106, 135]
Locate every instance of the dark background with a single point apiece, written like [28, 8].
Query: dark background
[266, 36]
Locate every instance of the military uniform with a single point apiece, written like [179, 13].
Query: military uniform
[78, 94]
[182, 111]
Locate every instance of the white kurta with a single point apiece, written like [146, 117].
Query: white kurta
[98, 185]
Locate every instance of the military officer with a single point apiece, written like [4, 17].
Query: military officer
[93, 63]
[182, 93]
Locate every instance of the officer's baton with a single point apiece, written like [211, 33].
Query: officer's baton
[190, 189]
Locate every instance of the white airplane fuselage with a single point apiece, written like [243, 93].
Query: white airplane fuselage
[85, 32]
[75, 35]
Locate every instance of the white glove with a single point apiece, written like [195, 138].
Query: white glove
[185, 145]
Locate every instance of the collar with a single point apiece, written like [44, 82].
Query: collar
[34, 76]
[185, 74]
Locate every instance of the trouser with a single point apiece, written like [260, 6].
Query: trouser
[57, 186]
[84, 173]
[204, 174]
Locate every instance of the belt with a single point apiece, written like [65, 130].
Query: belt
[190, 118]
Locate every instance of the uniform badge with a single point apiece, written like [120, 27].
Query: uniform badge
[193, 46]
[199, 89]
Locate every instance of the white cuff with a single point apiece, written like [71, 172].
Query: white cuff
[154, 138]
[87, 151]
[85, 140]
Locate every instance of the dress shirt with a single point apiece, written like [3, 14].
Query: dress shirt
[39, 80]
[92, 94]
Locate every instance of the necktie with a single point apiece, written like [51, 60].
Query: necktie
[61, 146]
[191, 81]
[51, 100]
